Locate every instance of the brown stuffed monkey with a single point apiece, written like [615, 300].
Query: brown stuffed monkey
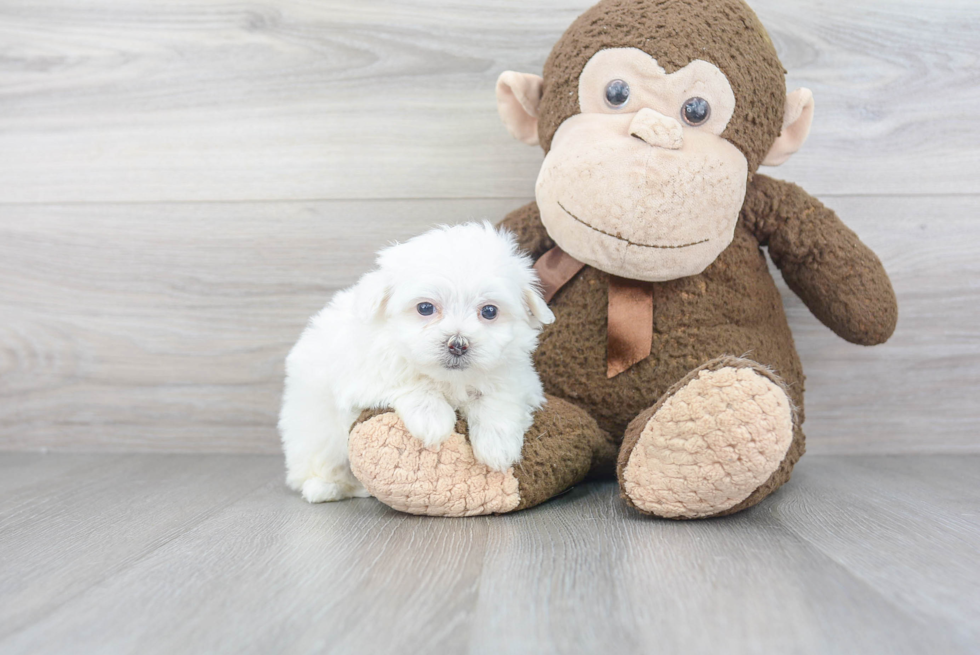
[671, 364]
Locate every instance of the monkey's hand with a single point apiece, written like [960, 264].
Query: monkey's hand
[839, 278]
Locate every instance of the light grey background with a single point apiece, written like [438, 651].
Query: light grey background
[183, 183]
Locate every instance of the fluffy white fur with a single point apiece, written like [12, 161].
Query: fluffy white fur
[371, 347]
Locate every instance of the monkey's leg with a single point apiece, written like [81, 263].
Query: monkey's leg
[560, 449]
[717, 442]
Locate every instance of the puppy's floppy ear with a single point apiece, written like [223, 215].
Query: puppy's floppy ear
[537, 307]
[372, 294]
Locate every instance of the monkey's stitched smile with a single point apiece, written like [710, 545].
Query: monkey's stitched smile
[632, 243]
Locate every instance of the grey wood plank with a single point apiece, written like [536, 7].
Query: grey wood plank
[828, 565]
[746, 583]
[25, 469]
[891, 523]
[948, 485]
[167, 325]
[273, 574]
[163, 327]
[283, 99]
[60, 536]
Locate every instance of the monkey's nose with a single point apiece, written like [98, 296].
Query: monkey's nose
[457, 345]
[657, 130]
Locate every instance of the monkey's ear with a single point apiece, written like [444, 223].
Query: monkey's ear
[796, 127]
[518, 97]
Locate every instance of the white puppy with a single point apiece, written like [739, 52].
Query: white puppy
[447, 322]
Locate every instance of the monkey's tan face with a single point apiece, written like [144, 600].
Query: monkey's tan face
[641, 184]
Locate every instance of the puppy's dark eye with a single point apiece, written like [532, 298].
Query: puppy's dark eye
[426, 308]
[617, 93]
[488, 312]
[695, 111]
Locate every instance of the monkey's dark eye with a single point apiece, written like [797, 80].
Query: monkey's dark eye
[426, 308]
[696, 111]
[488, 312]
[617, 93]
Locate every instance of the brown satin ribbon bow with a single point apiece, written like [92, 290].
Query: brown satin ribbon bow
[630, 326]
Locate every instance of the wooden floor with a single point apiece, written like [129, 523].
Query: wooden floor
[210, 553]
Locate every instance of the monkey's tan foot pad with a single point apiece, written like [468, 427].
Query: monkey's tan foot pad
[446, 480]
[708, 444]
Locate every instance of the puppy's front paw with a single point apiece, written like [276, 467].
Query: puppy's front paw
[429, 422]
[497, 444]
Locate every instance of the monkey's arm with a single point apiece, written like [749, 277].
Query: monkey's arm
[526, 225]
[839, 278]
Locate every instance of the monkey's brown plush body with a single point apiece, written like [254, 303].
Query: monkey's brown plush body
[699, 411]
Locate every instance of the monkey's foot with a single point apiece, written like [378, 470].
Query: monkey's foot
[709, 443]
[444, 480]
[562, 446]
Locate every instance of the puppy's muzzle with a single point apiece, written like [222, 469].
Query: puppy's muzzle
[457, 345]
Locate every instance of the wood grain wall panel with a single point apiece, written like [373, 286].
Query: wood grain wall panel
[110, 101]
[164, 326]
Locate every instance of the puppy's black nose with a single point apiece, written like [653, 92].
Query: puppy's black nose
[457, 345]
